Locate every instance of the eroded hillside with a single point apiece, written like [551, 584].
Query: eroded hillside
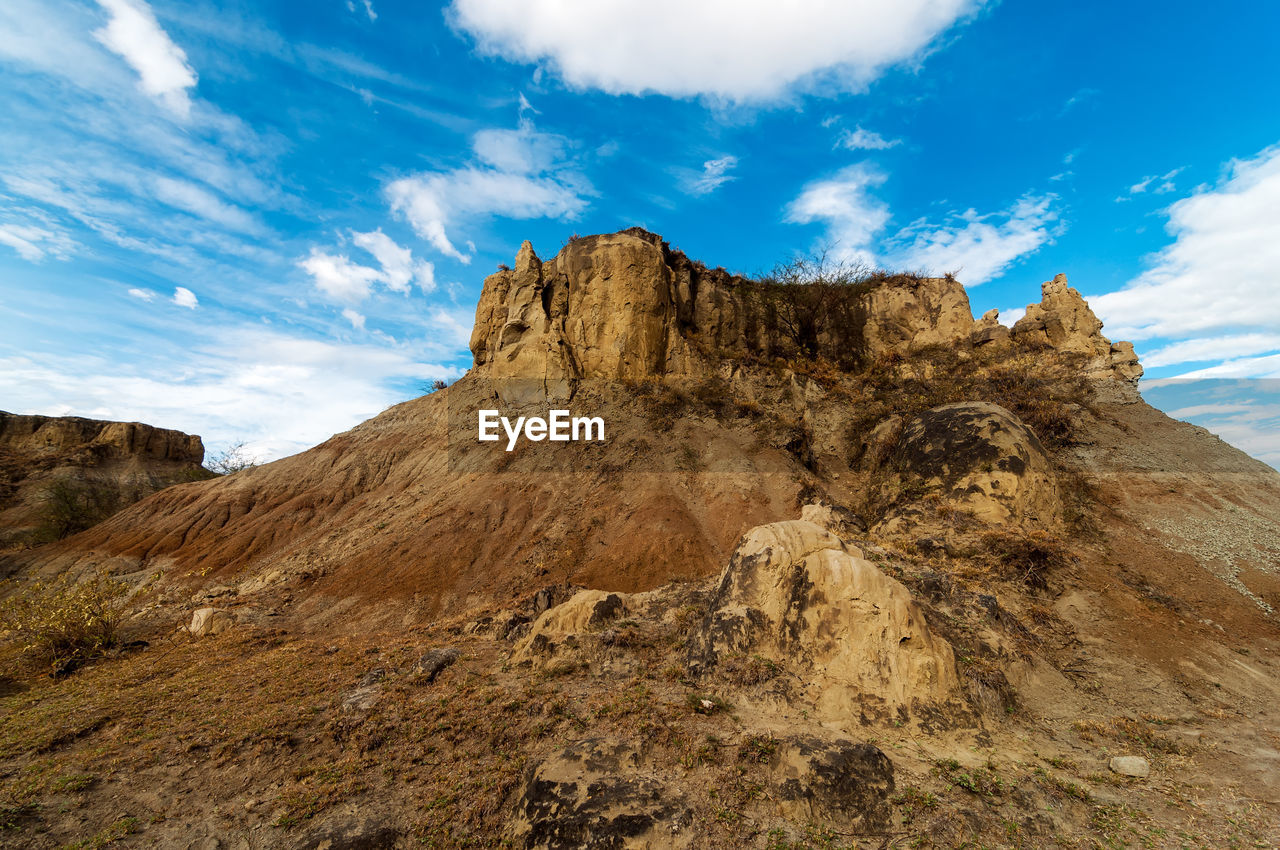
[849, 569]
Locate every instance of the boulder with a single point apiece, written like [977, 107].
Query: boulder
[434, 662]
[988, 329]
[598, 793]
[558, 627]
[794, 593]
[975, 456]
[1135, 766]
[209, 621]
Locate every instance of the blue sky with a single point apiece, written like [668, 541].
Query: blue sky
[267, 222]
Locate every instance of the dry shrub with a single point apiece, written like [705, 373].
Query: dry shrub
[64, 623]
[70, 505]
[1028, 557]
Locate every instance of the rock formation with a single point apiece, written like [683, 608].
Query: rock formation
[1063, 321]
[795, 591]
[974, 456]
[129, 459]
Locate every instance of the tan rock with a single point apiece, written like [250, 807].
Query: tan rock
[795, 593]
[988, 329]
[975, 456]
[206, 622]
[905, 314]
[587, 610]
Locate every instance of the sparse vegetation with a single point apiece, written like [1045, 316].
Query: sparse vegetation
[233, 459]
[64, 622]
[70, 505]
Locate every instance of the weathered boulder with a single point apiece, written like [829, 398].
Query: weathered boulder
[597, 793]
[793, 592]
[1135, 766]
[558, 627]
[988, 329]
[434, 662]
[209, 621]
[974, 456]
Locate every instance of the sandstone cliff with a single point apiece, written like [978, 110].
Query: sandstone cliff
[625, 306]
[124, 460]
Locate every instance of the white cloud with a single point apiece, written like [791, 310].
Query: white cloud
[520, 151]
[1212, 348]
[184, 297]
[143, 294]
[520, 175]
[336, 276]
[399, 269]
[134, 34]
[714, 174]
[860, 139]
[339, 277]
[843, 202]
[978, 246]
[356, 319]
[187, 196]
[1219, 272]
[279, 393]
[35, 243]
[739, 51]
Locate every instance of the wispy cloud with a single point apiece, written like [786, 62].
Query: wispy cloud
[978, 246]
[339, 277]
[859, 139]
[519, 174]
[713, 175]
[1157, 184]
[35, 243]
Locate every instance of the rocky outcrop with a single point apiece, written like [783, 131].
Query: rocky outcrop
[1063, 321]
[795, 593]
[110, 464]
[598, 793]
[906, 313]
[71, 437]
[972, 456]
[624, 306]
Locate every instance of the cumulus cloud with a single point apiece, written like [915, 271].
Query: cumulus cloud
[1218, 275]
[844, 203]
[133, 34]
[35, 243]
[336, 276]
[714, 174]
[741, 51]
[977, 246]
[860, 139]
[341, 278]
[520, 174]
[184, 297]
